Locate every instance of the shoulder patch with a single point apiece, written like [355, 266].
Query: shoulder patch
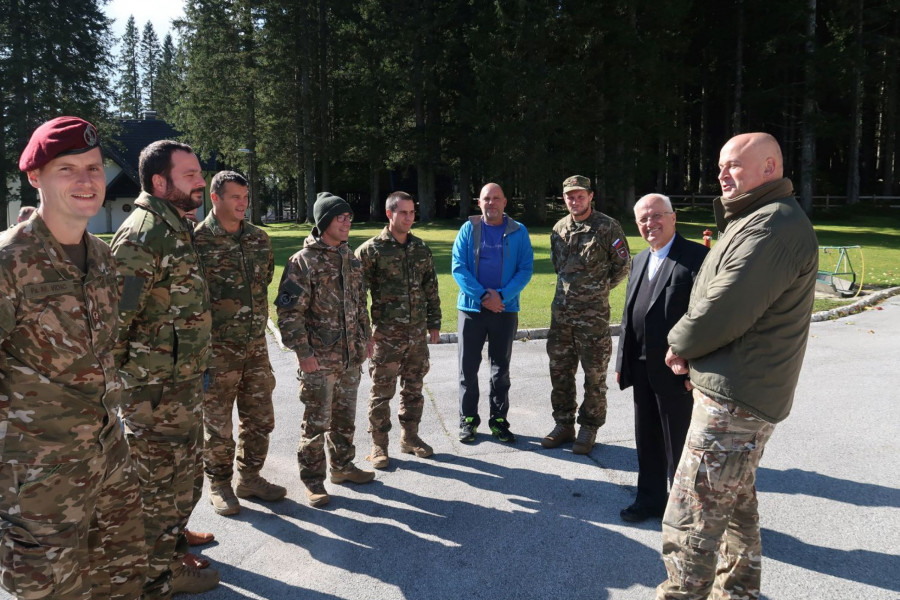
[131, 292]
[620, 248]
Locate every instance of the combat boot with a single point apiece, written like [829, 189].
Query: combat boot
[584, 443]
[316, 495]
[254, 485]
[379, 455]
[222, 498]
[352, 473]
[411, 443]
[191, 580]
[561, 434]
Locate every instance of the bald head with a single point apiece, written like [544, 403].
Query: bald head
[748, 161]
[492, 202]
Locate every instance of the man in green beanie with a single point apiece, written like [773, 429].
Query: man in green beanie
[322, 315]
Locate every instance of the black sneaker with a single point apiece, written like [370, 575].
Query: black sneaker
[500, 430]
[468, 430]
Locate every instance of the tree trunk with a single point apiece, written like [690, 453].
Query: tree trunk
[808, 127]
[856, 110]
[465, 185]
[375, 203]
[324, 99]
[889, 115]
[738, 71]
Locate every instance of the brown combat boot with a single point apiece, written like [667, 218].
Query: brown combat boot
[353, 474]
[379, 455]
[191, 580]
[411, 443]
[253, 484]
[561, 434]
[584, 443]
[316, 495]
[222, 498]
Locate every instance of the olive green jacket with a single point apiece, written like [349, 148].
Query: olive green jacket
[744, 334]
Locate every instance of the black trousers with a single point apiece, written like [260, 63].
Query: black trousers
[499, 329]
[660, 428]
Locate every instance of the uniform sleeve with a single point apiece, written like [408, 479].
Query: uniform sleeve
[524, 268]
[368, 265]
[432, 296]
[363, 313]
[270, 267]
[619, 256]
[137, 269]
[556, 248]
[749, 279]
[463, 275]
[8, 303]
[291, 305]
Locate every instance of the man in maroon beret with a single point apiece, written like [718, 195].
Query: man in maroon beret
[70, 511]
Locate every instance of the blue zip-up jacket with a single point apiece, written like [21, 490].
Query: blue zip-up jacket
[518, 264]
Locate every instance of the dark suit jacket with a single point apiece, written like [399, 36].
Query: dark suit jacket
[670, 295]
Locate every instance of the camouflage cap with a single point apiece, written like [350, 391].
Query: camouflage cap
[576, 182]
[58, 137]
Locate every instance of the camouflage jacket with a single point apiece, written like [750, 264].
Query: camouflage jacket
[321, 305]
[239, 269]
[590, 258]
[164, 303]
[58, 381]
[402, 281]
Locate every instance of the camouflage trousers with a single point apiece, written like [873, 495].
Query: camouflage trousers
[711, 541]
[242, 376]
[74, 530]
[329, 417]
[401, 352]
[163, 425]
[568, 343]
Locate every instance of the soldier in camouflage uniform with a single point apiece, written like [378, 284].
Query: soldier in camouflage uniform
[590, 257]
[322, 316]
[70, 524]
[162, 354]
[239, 264]
[399, 273]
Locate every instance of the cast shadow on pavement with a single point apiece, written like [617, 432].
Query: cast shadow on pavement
[862, 566]
[810, 483]
[547, 537]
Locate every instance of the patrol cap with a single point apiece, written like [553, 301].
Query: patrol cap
[58, 137]
[576, 182]
[327, 207]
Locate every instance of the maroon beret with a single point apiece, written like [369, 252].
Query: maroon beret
[58, 137]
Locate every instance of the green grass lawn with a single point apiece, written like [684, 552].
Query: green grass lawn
[877, 232]
[877, 263]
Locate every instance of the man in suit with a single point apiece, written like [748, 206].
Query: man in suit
[656, 297]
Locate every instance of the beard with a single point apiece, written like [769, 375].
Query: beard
[182, 201]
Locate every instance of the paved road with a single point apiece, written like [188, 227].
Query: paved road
[497, 521]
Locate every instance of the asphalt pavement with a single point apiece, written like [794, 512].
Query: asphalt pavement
[499, 521]
[491, 520]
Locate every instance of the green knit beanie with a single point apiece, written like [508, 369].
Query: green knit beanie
[327, 207]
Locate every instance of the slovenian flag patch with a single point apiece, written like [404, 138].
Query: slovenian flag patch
[620, 248]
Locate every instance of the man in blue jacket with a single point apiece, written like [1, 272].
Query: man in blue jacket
[492, 263]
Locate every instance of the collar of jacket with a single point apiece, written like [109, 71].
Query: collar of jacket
[727, 209]
[212, 221]
[511, 224]
[387, 236]
[164, 209]
[314, 241]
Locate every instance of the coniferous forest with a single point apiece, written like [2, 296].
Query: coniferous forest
[439, 96]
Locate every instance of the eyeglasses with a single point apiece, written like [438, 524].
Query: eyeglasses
[345, 218]
[653, 217]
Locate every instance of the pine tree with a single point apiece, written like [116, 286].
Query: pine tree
[167, 79]
[149, 64]
[129, 85]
